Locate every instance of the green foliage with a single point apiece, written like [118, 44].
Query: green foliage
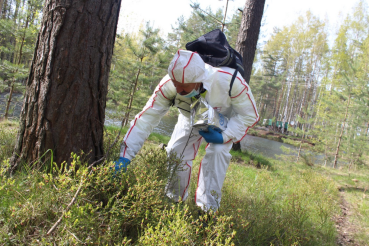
[178, 227]
[284, 207]
[18, 31]
[8, 136]
[132, 207]
[113, 138]
[136, 70]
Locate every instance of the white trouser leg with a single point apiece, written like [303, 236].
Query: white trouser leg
[212, 173]
[178, 187]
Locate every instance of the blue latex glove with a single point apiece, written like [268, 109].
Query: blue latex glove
[212, 135]
[121, 165]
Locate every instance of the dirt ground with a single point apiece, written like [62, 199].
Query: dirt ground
[345, 229]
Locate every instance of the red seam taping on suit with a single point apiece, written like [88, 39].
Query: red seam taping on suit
[185, 67]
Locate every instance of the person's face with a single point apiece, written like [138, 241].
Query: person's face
[184, 89]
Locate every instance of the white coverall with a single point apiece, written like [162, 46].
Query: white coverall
[188, 67]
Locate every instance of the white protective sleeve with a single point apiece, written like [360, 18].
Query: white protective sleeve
[148, 118]
[245, 114]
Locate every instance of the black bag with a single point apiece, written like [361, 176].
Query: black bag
[215, 50]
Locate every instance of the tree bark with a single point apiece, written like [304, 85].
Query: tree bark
[248, 38]
[249, 33]
[64, 104]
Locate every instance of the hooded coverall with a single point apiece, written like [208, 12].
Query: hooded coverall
[239, 108]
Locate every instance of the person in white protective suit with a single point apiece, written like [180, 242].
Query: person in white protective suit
[188, 76]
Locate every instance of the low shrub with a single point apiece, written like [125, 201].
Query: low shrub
[266, 206]
[120, 208]
[277, 209]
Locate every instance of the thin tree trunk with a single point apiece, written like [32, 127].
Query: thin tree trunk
[286, 107]
[19, 62]
[129, 106]
[23, 39]
[325, 148]
[275, 103]
[302, 139]
[342, 129]
[9, 100]
[280, 102]
[260, 100]
[64, 104]
[13, 40]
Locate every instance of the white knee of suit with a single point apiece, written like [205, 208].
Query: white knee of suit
[212, 170]
[185, 147]
[211, 176]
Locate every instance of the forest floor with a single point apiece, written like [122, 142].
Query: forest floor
[345, 228]
[269, 201]
[352, 222]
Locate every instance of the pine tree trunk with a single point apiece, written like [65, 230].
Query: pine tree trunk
[249, 33]
[248, 38]
[64, 104]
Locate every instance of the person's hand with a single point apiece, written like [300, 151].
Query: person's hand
[121, 165]
[212, 135]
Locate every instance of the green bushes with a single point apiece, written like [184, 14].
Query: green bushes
[130, 208]
[279, 204]
[288, 208]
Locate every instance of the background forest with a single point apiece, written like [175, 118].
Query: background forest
[304, 76]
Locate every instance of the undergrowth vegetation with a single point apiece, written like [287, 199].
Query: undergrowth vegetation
[8, 134]
[274, 203]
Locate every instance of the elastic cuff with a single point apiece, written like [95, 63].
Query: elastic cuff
[226, 139]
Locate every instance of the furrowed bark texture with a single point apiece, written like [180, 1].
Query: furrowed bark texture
[64, 105]
[248, 38]
[249, 33]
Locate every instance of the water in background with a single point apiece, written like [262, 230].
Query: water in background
[266, 147]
